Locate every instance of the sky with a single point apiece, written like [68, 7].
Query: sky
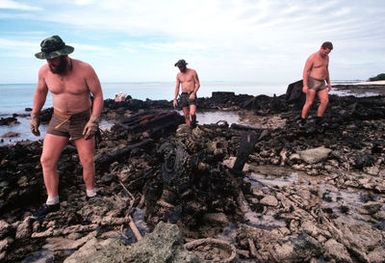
[266, 41]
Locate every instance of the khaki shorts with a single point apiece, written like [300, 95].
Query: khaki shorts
[70, 126]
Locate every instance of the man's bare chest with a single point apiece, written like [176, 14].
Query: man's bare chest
[320, 64]
[186, 78]
[66, 85]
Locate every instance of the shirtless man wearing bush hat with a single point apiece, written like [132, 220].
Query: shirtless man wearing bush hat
[188, 79]
[75, 117]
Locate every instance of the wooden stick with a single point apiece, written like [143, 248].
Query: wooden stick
[128, 192]
[135, 229]
[253, 249]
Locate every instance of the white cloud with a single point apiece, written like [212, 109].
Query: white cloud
[234, 39]
[10, 4]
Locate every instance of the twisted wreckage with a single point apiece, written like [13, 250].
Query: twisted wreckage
[268, 191]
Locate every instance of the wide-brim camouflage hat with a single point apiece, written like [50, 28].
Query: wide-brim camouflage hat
[53, 47]
[181, 62]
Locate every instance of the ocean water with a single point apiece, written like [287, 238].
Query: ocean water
[14, 98]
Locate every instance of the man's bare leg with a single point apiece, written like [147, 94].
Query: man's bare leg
[186, 113]
[310, 95]
[86, 150]
[193, 110]
[52, 148]
[324, 101]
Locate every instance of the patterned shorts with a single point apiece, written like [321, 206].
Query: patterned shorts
[315, 84]
[184, 100]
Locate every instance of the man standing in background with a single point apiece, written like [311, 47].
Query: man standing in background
[189, 80]
[71, 83]
[315, 73]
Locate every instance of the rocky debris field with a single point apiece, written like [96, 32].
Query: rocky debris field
[269, 191]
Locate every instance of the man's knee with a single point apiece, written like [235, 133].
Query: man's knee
[87, 161]
[47, 161]
[324, 101]
[308, 104]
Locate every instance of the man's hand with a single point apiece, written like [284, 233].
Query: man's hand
[329, 87]
[91, 127]
[175, 103]
[192, 96]
[35, 122]
[305, 89]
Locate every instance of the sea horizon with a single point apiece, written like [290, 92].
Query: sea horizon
[16, 97]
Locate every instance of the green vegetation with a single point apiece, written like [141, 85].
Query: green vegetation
[378, 77]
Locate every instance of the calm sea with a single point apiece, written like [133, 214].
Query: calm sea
[14, 98]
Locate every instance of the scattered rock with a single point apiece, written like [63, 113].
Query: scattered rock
[164, 244]
[5, 229]
[336, 251]
[269, 200]
[10, 134]
[315, 155]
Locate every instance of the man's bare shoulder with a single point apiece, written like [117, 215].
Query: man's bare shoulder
[83, 68]
[44, 69]
[179, 74]
[313, 56]
[193, 71]
[81, 64]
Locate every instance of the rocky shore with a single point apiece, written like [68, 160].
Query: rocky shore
[167, 193]
[363, 88]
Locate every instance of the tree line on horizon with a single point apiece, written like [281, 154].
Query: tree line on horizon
[380, 76]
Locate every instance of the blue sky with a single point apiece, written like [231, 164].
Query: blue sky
[224, 40]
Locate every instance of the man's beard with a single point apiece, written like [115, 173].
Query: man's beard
[59, 68]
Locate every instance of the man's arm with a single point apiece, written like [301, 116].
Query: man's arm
[95, 88]
[40, 94]
[306, 72]
[197, 83]
[328, 76]
[196, 86]
[39, 98]
[177, 86]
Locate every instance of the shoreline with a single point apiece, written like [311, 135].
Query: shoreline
[11, 134]
[372, 88]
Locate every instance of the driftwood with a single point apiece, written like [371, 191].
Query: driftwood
[134, 229]
[155, 123]
[253, 250]
[248, 140]
[119, 153]
[131, 221]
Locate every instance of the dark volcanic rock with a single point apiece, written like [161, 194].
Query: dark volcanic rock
[8, 121]
[282, 208]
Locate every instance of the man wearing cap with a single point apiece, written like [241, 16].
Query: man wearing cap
[71, 83]
[190, 85]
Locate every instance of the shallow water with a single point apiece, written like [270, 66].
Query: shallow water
[22, 128]
[338, 202]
